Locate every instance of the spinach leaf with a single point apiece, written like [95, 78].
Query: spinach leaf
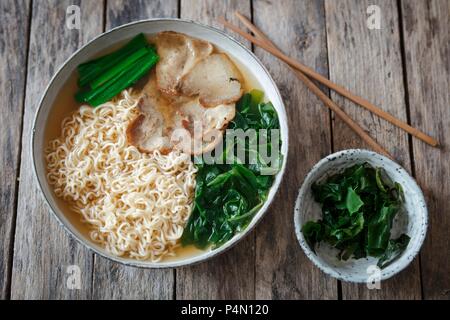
[220, 179]
[379, 230]
[313, 233]
[269, 117]
[328, 190]
[228, 196]
[353, 202]
[246, 174]
[243, 105]
[352, 227]
[359, 205]
[394, 250]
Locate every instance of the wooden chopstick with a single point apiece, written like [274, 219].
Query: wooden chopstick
[341, 90]
[322, 96]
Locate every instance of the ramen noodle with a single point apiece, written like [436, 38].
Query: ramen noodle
[135, 204]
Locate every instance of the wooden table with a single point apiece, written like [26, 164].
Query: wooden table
[402, 68]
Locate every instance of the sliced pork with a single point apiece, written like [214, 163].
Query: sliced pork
[215, 79]
[178, 54]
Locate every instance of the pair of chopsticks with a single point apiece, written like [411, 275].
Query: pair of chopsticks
[302, 72]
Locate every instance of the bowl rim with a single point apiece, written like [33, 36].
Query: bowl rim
[189, 261]
[402, 262]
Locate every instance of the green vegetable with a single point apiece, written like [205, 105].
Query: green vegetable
[90, 70]
[313, 232]
[394, 249]
[124, 64]
[227, 196]
[358, 210]
[379, 230]
[353, 202]
[105, 77]
[124, 79]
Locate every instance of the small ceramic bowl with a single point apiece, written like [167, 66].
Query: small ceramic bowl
[412, 220]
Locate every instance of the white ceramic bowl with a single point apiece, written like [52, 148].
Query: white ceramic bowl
[413, 220]
[241, 55]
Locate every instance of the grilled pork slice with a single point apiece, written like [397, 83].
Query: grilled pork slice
[215, 79]
[178, 54]
[199, 129]
[146, 133]
[150, 130]
[166, 122]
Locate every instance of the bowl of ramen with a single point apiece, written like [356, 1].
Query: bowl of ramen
[160, 143]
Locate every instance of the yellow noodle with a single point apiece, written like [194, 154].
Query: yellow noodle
[135, 204]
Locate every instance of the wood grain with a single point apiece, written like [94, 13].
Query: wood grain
[298, 29]
[368, 62]
[426, 29]
[268, 263]
[42, 249]
[231, 275]
[122, 11]
[14, 23]
[112, 280]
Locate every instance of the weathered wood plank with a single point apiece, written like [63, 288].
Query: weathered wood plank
[116, 281]
[112, 280]
[42, 250]
[231, 275]
[368, 63]
[282, 270]
[14, 23]
[426, 28]
[121, 11]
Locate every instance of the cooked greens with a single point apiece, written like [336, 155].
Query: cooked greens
[358, 209]
[103, 78]
[228, 195]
